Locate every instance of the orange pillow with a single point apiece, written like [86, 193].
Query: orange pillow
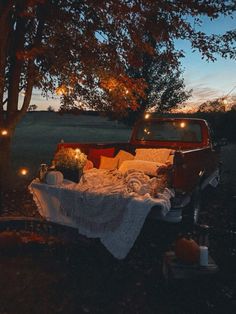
[95, 154]
[109, 163]
[122, 156]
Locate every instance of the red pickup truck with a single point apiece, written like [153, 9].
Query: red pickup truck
[194, 158]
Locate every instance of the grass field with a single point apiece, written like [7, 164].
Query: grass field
[39, 132]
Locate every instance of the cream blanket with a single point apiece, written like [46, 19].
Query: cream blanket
[105, 204]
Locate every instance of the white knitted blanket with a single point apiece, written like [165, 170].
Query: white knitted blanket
[105, 204]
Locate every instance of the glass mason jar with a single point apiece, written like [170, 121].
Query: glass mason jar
[42, 172]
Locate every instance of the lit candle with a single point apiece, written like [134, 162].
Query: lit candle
[203, 256]
[77, 151]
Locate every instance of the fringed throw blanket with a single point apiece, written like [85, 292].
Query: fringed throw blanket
[105, 204]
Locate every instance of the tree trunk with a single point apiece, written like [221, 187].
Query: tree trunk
[5, 166]
[5, 159]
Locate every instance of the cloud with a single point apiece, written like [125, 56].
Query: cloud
[202, 93]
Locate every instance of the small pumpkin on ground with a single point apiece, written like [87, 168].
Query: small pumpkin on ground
[187, 250]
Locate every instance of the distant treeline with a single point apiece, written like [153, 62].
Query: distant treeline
[223, 124]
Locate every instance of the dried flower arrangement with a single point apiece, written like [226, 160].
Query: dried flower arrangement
[70, 158]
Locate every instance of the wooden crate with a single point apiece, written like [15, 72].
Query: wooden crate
[173, 270]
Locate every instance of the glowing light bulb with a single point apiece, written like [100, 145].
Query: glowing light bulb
[24, 171]
[182, 124]
[77, 151]
[61, 90]
[225, 101]
[4, 132]
[147, 116]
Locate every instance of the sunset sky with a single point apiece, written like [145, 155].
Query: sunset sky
[208, 80]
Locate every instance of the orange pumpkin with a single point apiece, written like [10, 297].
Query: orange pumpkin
[187, 250]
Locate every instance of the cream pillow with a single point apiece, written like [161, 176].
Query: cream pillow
[153, 154]
[122, 156]
[108, 163]
[148, 167]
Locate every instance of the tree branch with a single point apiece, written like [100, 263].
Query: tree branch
[16, 63]
[31, 74]
[5, 26]
[4, 10]
[18, 114]
[29, 88]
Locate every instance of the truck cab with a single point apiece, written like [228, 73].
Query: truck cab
[195, 160]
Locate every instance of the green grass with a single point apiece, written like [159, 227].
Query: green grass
[38, 133]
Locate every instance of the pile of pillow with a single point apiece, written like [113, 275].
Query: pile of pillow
[147, 160]
[111, 163]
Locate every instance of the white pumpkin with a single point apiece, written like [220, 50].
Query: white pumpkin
[54, 177]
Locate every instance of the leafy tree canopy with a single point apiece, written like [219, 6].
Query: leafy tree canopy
[84, 49]
[96, 52]
[165, 88]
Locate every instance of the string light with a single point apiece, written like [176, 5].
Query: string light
[23, 172]
[182, 124]
[225, 101]
[64, 90]
[147, 116]
[4, 132]
[61, 90]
